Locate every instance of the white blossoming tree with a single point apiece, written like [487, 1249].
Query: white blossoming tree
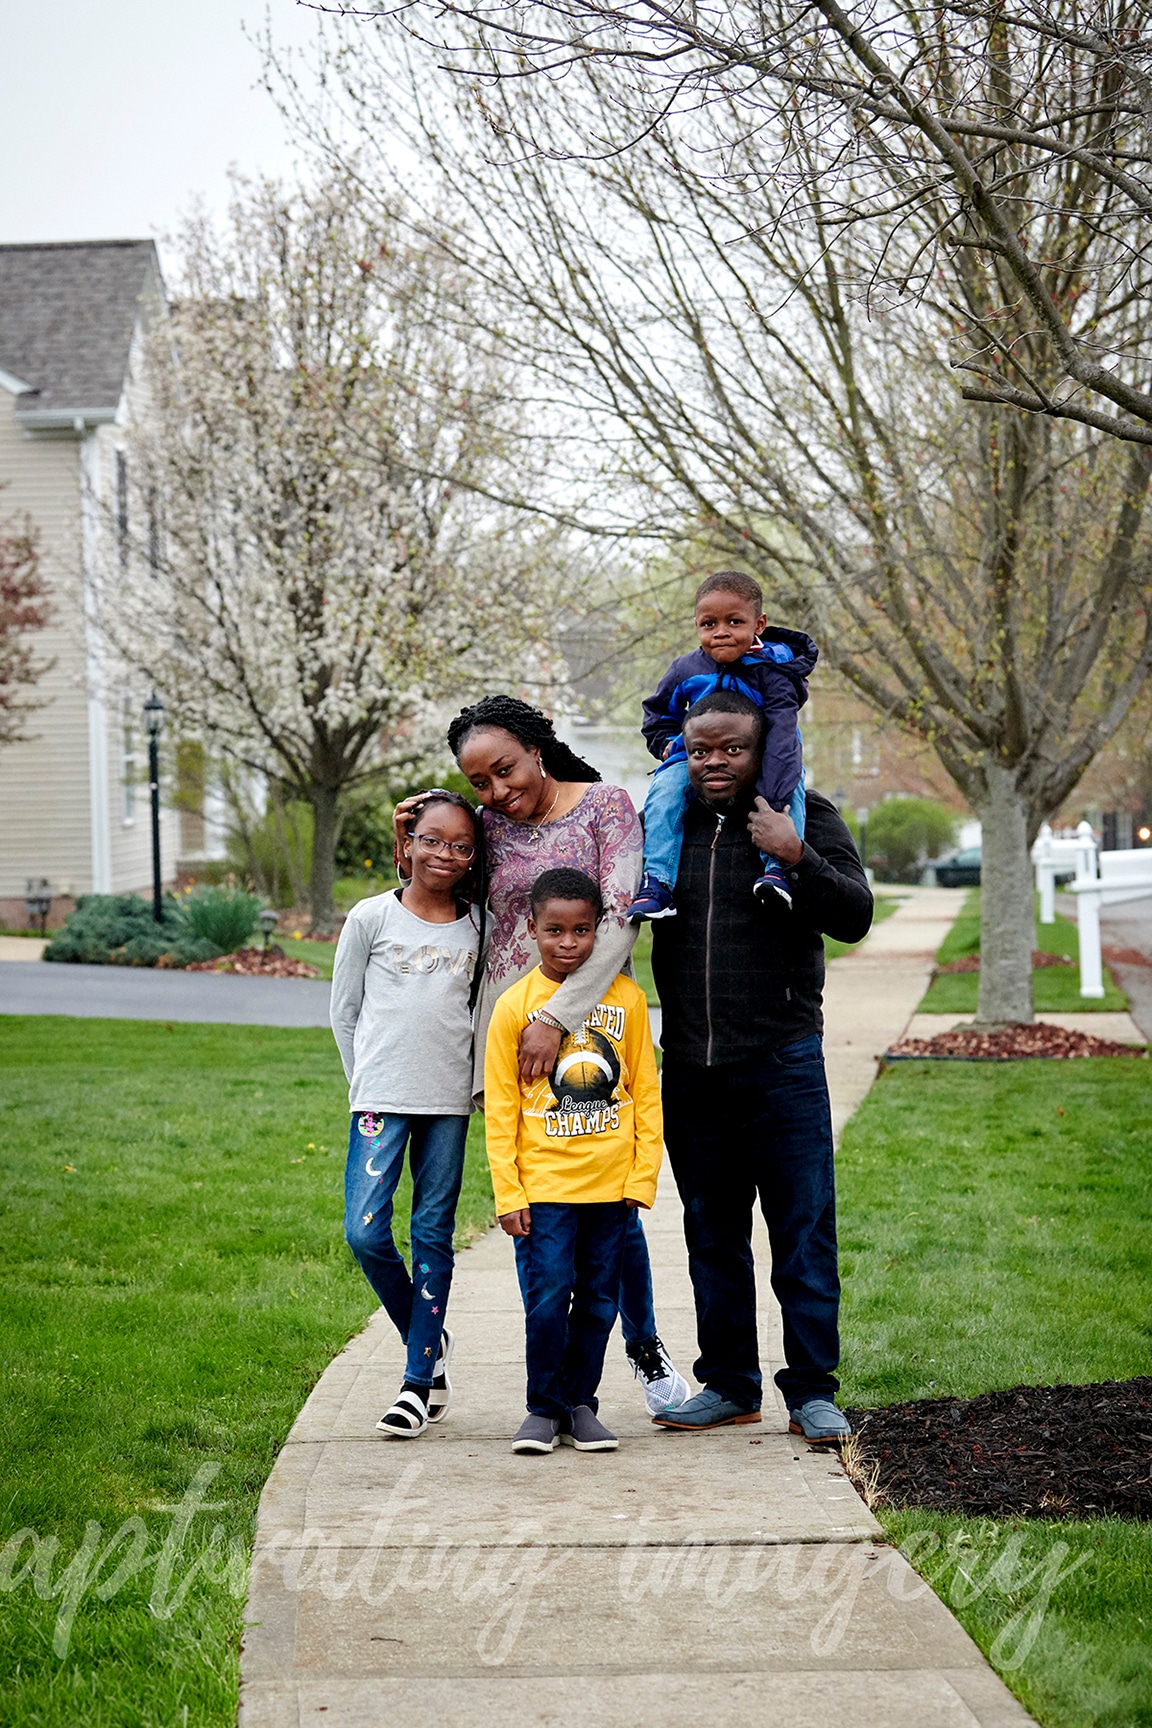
[321, 563]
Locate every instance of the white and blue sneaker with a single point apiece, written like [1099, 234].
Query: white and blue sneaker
[653, 900]
[665, 1388]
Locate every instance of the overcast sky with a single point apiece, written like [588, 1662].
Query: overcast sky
[114, 113]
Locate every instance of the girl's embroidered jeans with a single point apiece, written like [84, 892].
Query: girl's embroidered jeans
[415, 1301]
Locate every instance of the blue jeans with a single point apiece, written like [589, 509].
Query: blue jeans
[664, 820]
[570, 1272]
[739, 1132]
[415, 1301]
[637, 1315]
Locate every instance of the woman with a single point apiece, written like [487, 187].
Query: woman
[543, 808]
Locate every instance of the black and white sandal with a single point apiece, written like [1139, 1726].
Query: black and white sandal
[406, 1418]
[440, 1396]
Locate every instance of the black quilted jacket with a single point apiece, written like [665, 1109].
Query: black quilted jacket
[737, 978]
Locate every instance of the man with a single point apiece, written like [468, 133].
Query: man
[746, 1110]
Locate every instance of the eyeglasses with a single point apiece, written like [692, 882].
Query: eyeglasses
[458, 848]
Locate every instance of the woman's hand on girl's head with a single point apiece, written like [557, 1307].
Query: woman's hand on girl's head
[403, 811]
[400, 819]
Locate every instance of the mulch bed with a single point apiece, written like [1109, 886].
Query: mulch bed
[1045, 1451]
[1125, 957]
[971, 962]
[1010, 1044]
[253, 963]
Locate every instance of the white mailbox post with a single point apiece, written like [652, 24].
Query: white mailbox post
[1056, 855]
[1122, 876]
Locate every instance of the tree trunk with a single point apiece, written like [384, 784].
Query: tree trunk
[1007, 921]
[325, 833]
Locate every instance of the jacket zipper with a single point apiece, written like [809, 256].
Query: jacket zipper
[708, 935]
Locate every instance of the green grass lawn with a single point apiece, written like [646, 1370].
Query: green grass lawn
[174, 1282]
[322, 955]
[993, 1225]
[1055, 989]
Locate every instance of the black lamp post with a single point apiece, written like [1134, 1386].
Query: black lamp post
[154, 715]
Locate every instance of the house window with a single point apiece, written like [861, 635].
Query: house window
[128, 769]
[122, 507]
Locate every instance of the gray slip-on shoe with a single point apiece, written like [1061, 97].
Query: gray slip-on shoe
[586, 1432]
[707, 1410]
[536, 1434]
[820, 1422]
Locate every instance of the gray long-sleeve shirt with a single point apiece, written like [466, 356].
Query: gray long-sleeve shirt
[400, 1010]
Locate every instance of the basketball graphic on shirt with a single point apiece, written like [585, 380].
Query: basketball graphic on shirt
[587, 1070]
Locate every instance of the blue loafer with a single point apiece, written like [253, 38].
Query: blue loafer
[707, 1410]
[819, 1420]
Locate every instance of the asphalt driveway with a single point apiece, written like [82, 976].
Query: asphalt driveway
[142, 993]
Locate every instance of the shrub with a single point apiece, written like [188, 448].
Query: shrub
[365, 834]
[225, 915]
[119, 930]
[275, 852]
[903, 833]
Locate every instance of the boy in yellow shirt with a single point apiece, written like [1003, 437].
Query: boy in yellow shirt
[569, 1155]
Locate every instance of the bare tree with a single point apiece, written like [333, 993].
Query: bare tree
[313, 445]
[1014, 135]
[23, 611]
[979, 576]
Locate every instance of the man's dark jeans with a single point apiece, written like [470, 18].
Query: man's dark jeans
[735, 1132]
[570, 1276]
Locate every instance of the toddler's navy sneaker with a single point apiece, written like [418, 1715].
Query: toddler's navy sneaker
[773, 883]
[653, 900]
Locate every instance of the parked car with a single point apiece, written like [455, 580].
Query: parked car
[961, 870]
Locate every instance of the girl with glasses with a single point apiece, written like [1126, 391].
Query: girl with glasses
[402, 996]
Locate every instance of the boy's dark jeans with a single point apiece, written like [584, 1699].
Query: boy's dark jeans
[570, 1276]
[734, 1133]
[637, 1314]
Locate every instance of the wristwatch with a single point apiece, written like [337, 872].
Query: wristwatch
[549, 1021]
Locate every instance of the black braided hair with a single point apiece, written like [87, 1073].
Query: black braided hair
[471, 891]
[529, 727]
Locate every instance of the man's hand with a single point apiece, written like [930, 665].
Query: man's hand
[517, 1223]
[773, 831]
[539, 1048]
[633, 1204]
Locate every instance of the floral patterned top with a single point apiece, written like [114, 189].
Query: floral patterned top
[601, 835]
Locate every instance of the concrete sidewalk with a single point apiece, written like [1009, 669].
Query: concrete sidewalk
[726, 1578]
[872, 993]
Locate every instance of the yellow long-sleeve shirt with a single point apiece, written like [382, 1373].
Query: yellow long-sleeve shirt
[592, 1130]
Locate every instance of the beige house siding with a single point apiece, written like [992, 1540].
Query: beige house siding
[49, 826]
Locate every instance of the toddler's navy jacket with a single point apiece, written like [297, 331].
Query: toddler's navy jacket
[774, 676]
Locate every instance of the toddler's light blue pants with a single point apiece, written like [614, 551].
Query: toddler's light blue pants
[664, 820]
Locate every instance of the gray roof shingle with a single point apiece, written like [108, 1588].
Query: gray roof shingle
[67, 314]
